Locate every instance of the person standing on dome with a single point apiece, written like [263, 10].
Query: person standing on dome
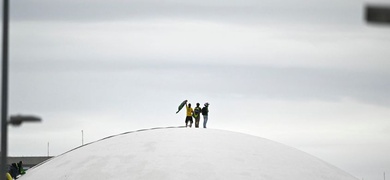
[190, 111]
[205, 113]
[196, 115]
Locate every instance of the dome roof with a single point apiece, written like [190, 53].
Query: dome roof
[183, 153]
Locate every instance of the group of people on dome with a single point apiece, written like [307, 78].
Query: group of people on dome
[195, 114]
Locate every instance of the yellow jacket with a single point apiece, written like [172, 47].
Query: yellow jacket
[8, 176]
[189, 111]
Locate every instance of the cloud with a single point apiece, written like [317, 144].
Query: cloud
[173, 41]
[106, 86]
[231, 10]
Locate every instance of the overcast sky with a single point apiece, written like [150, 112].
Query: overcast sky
[310, 74]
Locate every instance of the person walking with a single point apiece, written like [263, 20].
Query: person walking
[197, 112]
[205, 113]
[190, 111]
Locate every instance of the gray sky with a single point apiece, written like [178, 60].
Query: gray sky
[310, 74]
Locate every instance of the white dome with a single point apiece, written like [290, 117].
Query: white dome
[181, 153]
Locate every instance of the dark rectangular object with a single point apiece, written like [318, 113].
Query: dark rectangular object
[377, 14]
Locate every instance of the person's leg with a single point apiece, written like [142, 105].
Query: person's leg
[205, 118]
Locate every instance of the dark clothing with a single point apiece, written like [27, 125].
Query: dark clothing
[189, 119]
[197, 120]
[205, 111]
[20, 166]
[13, 170]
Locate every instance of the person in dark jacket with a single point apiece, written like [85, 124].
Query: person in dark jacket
[205, 113]
[13, 170]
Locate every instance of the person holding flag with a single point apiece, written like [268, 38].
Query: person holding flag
[190, 111]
